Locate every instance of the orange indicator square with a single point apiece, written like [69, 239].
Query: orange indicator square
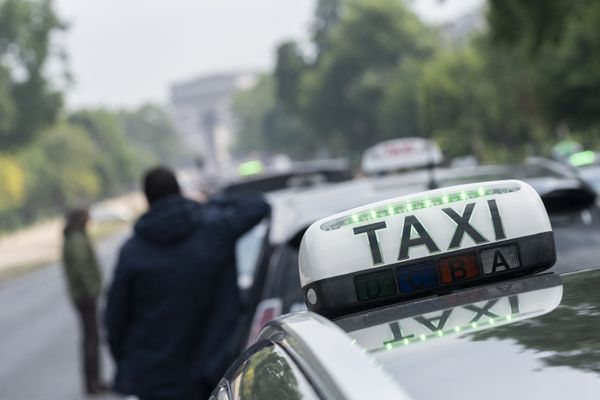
[458, 268]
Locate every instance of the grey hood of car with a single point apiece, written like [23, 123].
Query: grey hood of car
[553, 356]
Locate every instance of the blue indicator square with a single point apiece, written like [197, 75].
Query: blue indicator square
[416, 277]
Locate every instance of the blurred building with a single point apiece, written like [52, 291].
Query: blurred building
[201, 109]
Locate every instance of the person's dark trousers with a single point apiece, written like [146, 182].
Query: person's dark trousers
[90, 341]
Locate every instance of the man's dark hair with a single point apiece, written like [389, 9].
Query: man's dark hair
[160, 182]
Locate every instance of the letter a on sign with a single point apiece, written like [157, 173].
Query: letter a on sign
[499, 262]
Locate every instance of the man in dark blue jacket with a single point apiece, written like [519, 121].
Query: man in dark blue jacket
[173, 305]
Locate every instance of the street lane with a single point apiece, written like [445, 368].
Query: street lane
[39, 336]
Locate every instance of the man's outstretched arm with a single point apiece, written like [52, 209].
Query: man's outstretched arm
[240, 212]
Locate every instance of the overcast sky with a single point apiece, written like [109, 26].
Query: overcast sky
[126, 52]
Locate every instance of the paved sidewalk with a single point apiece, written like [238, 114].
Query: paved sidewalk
[41, 244]
[38, 244]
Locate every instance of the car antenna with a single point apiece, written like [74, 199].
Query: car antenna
[432, 183]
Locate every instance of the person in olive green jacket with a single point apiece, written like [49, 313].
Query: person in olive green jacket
[84, 281]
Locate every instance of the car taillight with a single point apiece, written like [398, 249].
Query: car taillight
[265, 312]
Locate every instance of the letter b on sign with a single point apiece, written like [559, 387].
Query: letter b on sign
[459, 268]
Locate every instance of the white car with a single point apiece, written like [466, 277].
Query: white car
[436, 294]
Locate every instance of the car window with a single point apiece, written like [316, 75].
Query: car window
[269, 373]
[286, 282]
[247, 252]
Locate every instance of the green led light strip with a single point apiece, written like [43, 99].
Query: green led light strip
[418, 204]
[457, 329]
[250, 168]
[582, 158]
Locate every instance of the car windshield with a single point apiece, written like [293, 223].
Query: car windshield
[247, 252]
[546, 356]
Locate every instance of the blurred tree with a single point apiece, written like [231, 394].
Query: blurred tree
[263, 125]
[375, 74]
[533, 23]
[482, 100]
[341, 94]
[12, 183]
[151, 134]
[60, 171]
[327, 15]
[401, 112]
[562, 42]
[570, 79]
[78, 161]
[27, 100]
[289, 68]
[7, 105]
[117, 164]
[292, 63]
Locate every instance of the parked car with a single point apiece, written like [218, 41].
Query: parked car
[570, 203]
[472, 309]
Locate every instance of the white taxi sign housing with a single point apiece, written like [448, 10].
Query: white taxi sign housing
[418, 244]
[399, 154]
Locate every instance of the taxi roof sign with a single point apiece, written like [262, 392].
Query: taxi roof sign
[424, 243]
[398, 154]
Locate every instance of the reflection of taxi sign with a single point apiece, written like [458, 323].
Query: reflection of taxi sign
[398, 154]
[463, 312]
[424, 243]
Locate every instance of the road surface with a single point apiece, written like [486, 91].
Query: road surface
[39, 335]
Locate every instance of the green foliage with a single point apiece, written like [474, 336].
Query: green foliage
[376, 73]
[152, 135]
[263, 125]
[93, 154]
[353, 93]
[327, 15]
[400, 112]
[470, 110]
[60, 171]
[554, 54]
[55, 163]
[570, 81]
[28, 102]
[288, 74]
[116, 165]
[533, 23]
[12, 183]
[340, 95]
